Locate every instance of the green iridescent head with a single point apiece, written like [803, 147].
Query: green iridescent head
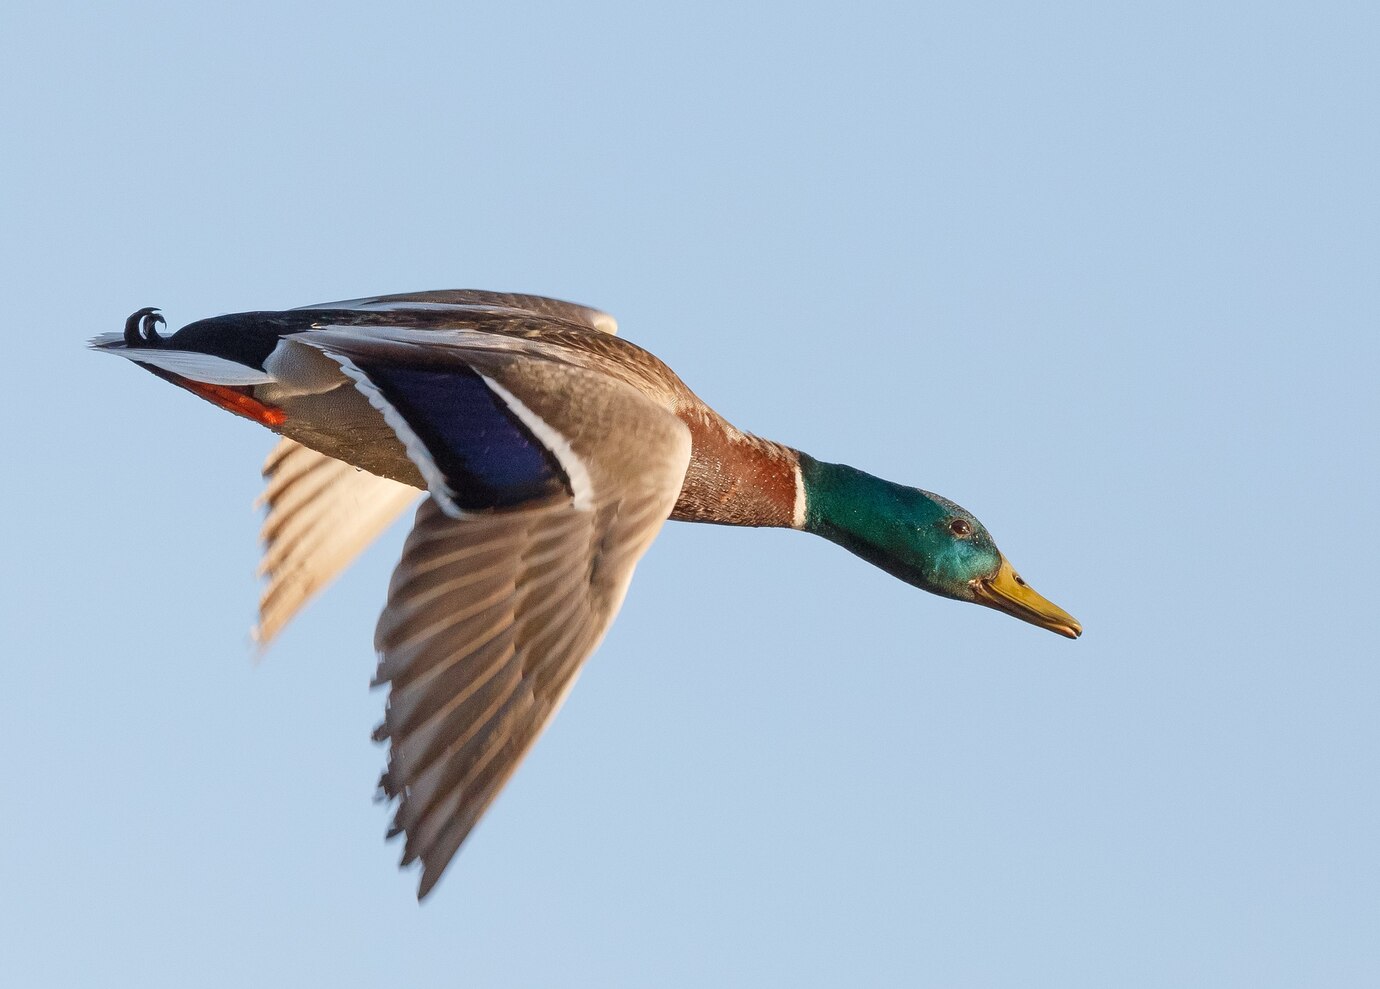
[923, 539]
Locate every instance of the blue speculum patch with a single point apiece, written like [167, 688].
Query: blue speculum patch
[487, 456]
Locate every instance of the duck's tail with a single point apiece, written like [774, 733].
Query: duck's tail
[142, 343]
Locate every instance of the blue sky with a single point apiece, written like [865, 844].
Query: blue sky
[1104, 274]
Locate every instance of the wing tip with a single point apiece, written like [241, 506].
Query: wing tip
[426, 884]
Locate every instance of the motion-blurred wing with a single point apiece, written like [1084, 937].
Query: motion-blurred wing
[321, 513]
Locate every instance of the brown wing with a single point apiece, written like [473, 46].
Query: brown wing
[321, 513]
[487, 624]
[491, 612]
[477, 300]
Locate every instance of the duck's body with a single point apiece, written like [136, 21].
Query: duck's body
[551, 451]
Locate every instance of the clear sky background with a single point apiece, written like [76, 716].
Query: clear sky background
[1106, 274]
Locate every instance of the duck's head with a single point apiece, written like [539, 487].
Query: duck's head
[922, 538]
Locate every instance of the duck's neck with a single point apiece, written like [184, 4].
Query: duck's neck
[735, 478]
[875, 518]
[846, 505]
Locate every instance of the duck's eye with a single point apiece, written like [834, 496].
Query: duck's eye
[960, 527]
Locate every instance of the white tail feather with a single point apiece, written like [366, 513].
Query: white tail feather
[187, 363]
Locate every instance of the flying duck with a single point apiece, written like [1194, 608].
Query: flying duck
[550, 451]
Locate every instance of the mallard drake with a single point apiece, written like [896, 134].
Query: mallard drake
[550, 451]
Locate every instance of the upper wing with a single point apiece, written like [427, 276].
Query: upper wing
[321, 514]
[477, 301]
[492, 610]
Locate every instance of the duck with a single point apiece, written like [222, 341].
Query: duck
[546, 452]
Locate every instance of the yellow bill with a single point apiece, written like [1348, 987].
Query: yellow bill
[1008, 592]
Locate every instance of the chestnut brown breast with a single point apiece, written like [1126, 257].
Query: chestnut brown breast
[735, 478]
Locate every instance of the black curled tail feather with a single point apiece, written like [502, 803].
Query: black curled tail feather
[141, 329]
